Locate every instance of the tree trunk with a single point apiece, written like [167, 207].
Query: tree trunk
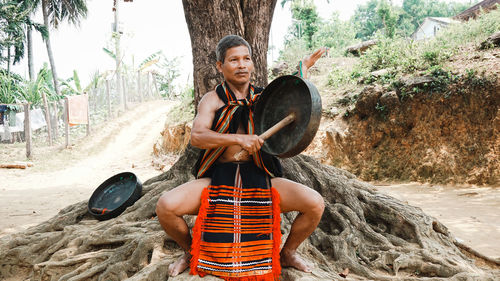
[209, 21]
[29, 38]
[49, 48]
[8, 61]
[373, 235]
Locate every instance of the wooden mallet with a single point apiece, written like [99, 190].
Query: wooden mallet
[268, 133]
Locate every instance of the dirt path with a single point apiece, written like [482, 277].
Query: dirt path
[472, 214]
[65, 176]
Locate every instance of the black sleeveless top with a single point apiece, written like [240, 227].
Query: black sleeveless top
[241, 116]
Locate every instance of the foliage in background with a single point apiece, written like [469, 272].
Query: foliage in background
[68, 88]
[14, 20]
[10, 87]
[389, 17]
[167, 71]
[401, 56]
[335, 34]
[32, 90]
[183, 112]
[377, 15]
[305, 19]
[15, 89]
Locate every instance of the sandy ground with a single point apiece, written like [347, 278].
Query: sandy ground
[472, 214]
[62, 177]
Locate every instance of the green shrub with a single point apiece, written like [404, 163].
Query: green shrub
[404, 56]
[338, 76]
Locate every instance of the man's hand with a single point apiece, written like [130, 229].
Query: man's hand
[310, 60]
[251, 143]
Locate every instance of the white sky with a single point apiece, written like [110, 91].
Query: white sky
[150, 26]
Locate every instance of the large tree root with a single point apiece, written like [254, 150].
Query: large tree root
[374, 235]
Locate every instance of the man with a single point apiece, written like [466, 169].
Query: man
[235, 63]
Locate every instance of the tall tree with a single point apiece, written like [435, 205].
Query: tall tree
[306, 16]
[208, 21]
[54, 12]
[29, 6]
[366, 18]
[11, 31]
[14, 21]
[335, 34]
[388, 16]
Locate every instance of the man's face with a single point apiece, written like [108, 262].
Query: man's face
[237, 66]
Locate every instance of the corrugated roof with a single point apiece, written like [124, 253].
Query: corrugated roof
[472, 12]
[444, 20]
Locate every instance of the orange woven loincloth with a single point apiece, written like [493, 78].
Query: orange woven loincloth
[237, 232]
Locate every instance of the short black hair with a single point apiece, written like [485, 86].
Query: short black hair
[227, 42]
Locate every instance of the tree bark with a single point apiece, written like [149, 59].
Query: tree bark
[49, 47]
[29, 39]
[209, 21]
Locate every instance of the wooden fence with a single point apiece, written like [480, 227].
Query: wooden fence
[104, 103]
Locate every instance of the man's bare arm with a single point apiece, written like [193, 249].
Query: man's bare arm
[203, 137]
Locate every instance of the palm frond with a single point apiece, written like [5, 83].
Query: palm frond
[109, 53]
[151, 57]
[77, 81]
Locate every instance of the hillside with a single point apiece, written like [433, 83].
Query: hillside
[422, 111]
[445, 133]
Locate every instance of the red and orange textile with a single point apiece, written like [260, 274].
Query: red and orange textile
[78, 107]
[237, 232]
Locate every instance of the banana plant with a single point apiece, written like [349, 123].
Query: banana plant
[10, 87]
[150, 60]
[95, 80]
[74, 88]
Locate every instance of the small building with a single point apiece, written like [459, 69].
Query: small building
[430, 26]
[483, 6]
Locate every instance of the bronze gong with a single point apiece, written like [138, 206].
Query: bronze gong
[284, 96]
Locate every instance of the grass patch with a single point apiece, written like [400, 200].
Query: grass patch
[402, 56]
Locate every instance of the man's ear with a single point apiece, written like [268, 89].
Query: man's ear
[218, 64]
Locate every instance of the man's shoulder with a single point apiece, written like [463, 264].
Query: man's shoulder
[211, 100]
[209, 97]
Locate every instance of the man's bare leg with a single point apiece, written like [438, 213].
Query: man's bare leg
[182, 200]
[310, 205]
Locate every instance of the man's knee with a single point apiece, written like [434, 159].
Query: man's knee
[165, 205]
[317, 203]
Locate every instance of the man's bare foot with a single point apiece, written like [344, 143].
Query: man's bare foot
[292, 259]
[179, 265]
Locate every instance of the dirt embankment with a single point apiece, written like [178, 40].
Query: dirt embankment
[442, 128]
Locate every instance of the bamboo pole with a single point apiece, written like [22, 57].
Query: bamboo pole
[66, 120]
[148, 83]
[155, 83]
[88, 114]
[94, 99]
[27, 130]
[139, 91]
[56, 125]
[124, 93]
